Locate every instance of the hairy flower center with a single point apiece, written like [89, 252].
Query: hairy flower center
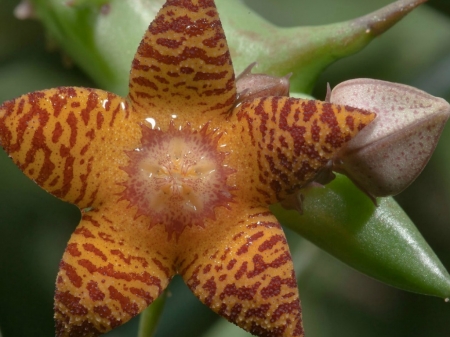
[177, 177]
[181, 175]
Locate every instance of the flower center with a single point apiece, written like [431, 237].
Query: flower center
[179, 172]
[177, 177]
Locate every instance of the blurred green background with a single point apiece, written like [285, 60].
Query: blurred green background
[336, 300]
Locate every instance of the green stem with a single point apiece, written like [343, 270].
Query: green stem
[150, 317]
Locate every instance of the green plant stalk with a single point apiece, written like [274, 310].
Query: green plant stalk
[381, 242]
[72, 30]
[148, 321]
[304, 51]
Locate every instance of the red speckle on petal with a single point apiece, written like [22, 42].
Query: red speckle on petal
[94, 292]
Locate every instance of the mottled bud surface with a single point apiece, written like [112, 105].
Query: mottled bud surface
[250, 86]
[389, 154]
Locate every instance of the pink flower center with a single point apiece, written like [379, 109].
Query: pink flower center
[177, 177]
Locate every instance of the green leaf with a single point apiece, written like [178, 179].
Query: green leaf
[381, 242]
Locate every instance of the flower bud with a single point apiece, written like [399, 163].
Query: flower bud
[250, 86]
[388, 154]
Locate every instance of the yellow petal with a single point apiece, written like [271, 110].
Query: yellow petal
[183, 63]
[70, 141]
[112, 269]
[242, 269]
[288, 141]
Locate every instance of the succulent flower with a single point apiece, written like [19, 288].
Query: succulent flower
[176, 178]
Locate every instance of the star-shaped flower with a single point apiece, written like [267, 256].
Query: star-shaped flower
[176, 178]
